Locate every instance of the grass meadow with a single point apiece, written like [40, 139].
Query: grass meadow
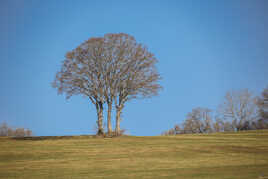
[207, 156]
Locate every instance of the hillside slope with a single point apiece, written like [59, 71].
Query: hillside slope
[223, 155]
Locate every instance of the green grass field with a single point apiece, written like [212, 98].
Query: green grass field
[223, 155]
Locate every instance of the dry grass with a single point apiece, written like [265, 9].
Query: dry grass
[229, 155]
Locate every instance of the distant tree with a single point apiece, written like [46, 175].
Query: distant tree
[28, 133]
[169, 132]
[218, 125]
[228, 126]
[19, 132]
[207, 120]
[177, 129]
[262, 103]
[239, 109]
[198, 121]
[5, 130]
[10, 132]
[173, 131]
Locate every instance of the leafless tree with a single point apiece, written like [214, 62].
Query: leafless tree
[229, 126]
[218, 125]
[239, 109]
[262, 103]
[177, 129]
[138, 77]
[5, 130]
[112, 69]
[173, 131]
[82, 73]
[28, 133]
[19, 132]
[10, 132]
[169, 132]
[198, 121]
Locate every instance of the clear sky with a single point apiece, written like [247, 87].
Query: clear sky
[204, 48]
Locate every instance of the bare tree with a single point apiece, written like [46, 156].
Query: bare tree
[218, 125]
[169, 132]
[4, 129]
[129, 73]
[10, 132]
[19, 132]
[112, 69]
[262, 103]
[229, 126]
[28, 133]
[207, 120]
[173, 131]
[177, 129]
[82, 73]
[136, 77]
[115, 48]
[198, 121]
[239, 109]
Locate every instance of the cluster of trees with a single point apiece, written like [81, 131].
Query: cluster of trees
[240, 110]
[5, 130]
[109, 70]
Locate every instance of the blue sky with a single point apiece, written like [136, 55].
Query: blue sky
[204, 48]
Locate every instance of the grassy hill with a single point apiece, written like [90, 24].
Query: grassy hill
[222, 155]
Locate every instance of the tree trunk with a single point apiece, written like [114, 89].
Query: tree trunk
[99, 107]
[118, 119]
[109, 122]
